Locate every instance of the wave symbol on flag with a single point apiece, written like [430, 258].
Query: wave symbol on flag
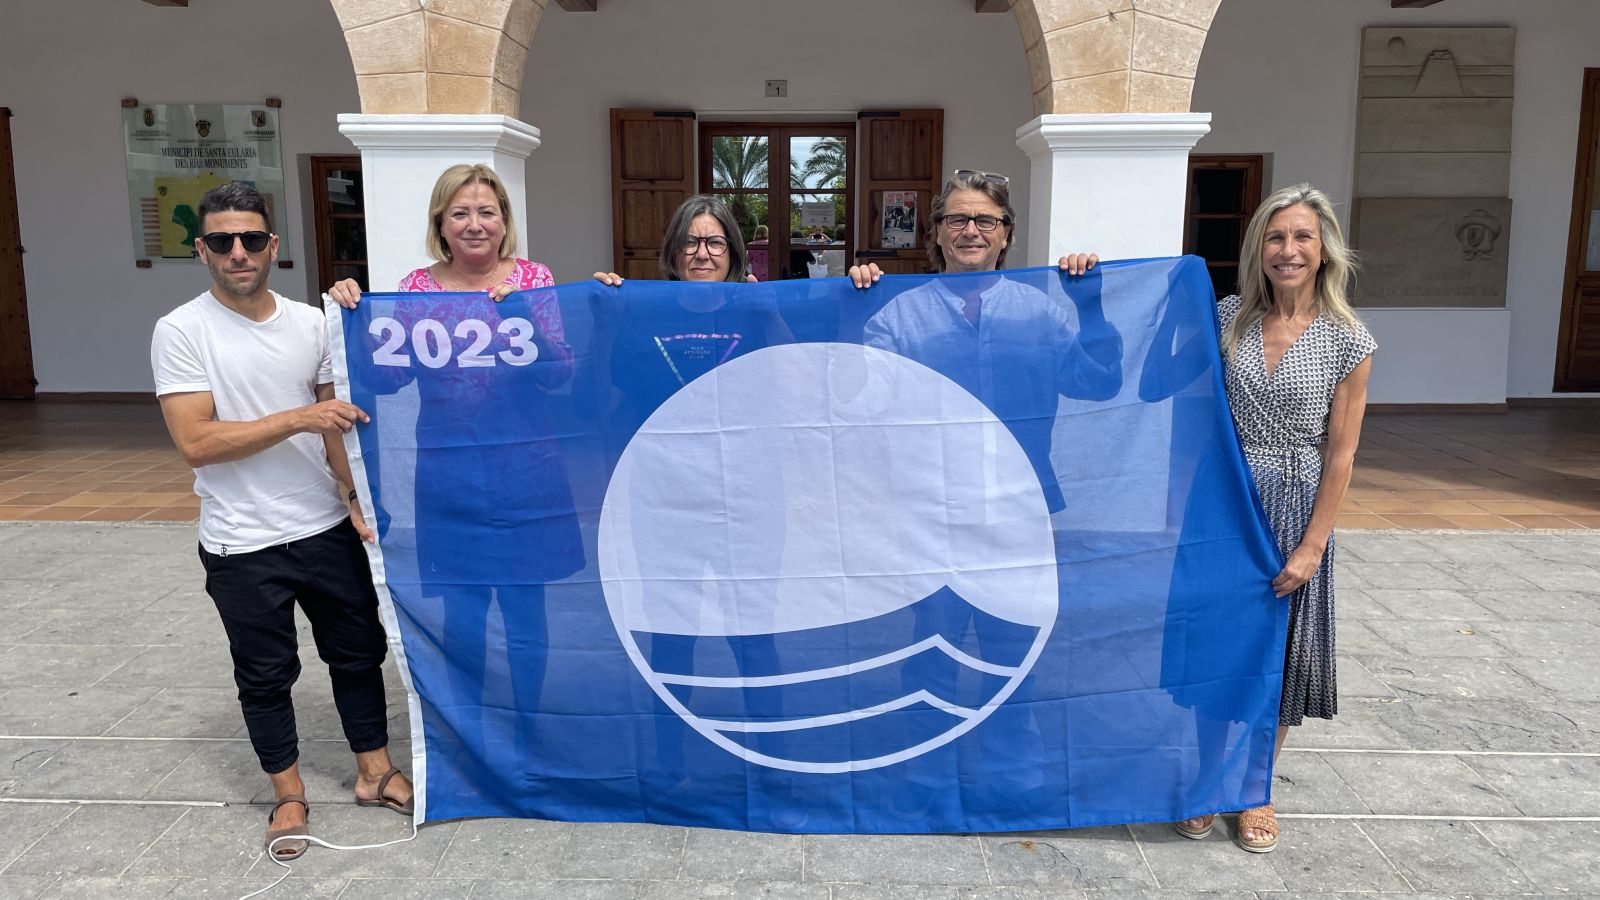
[828, 558]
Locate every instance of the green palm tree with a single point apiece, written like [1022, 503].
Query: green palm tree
[827, 164]
[739, 162]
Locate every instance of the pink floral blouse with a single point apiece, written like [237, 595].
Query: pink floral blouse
[545, 312]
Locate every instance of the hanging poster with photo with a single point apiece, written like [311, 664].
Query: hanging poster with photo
[178, 151]
[899, 220]
[817, 214]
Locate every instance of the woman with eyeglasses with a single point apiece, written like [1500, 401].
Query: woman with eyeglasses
[646, 347]
[472, 238]
[702, 245]
[1016, 348]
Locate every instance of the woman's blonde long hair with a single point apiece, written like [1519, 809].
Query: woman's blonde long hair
[1333, 277]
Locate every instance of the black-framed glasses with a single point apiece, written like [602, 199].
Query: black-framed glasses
[991, 177]
[716, 245]
[958, 222]
[222, 241]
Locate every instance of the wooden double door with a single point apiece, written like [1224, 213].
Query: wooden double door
[16, 348]
[1578, 353]
[810, 198]
[790, 187]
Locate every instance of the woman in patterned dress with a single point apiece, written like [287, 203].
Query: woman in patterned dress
[1296, 361]
[472, 237]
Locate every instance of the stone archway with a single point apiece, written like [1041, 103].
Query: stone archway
[439, 56]
[467, 56]
[1113, 56]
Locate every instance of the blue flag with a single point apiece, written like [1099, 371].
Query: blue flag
[955, 553]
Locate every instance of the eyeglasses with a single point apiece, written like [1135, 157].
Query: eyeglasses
[716, 245]
[991, 177]
[222, 241]
[956, 222]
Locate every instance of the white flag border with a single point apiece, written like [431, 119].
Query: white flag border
[391, 621]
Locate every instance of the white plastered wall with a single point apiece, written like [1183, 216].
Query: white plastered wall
[64, 67]
[1279, 77]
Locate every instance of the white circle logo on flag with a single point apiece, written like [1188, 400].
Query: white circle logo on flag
[828, 558]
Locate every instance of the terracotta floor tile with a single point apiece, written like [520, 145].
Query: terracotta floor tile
[1427, 520]
[31, 483]
[40, 498]
[1512, 507]
[1361, 520]
[154, 499]
[139, 482]
[1418, 495]
[1585, 521]
[1452, 507]
[1541, 521]
[56, 514]
[93, 500]
[1451, 463]
[1481, 522]
[125, 467]
[118, 514]
[1565, 507]
[170, 515]
[1385, 507]
[76, 465]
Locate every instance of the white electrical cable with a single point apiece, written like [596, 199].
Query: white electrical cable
[289, 870]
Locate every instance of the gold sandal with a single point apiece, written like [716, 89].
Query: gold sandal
[1197, 828]
[1261, 819]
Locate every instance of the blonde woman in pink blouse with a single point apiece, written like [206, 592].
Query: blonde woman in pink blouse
[472, 237]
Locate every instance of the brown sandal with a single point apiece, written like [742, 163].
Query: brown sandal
[405, 809]
[1197, 828]
[280, 844]
[1262, 818]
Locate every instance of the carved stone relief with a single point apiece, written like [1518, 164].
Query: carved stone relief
[1434, 127]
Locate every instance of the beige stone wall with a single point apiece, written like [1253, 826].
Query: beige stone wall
[450, 56]
[1113, 56]
[467, 56]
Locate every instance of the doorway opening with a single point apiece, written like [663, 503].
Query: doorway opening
[16, 348]
[791, 188]
[1578, 350]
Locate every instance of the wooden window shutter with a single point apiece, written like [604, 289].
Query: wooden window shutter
[901, 150]
[652, 172]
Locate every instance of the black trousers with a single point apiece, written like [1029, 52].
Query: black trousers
[255, 594]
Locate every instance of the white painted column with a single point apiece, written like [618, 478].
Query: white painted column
[401, 158]
[1108, 183]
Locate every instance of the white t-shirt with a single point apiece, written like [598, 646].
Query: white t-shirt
[253, 369]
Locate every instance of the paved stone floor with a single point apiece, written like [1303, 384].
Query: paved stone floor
[1465, 761]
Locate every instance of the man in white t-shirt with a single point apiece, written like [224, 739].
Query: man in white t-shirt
[245, 380]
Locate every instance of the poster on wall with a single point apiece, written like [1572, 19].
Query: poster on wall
[178, 151]
[899, 220]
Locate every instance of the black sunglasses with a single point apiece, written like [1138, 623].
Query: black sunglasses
[222, 241]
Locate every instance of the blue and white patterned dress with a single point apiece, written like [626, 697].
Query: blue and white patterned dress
[1283, 424]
